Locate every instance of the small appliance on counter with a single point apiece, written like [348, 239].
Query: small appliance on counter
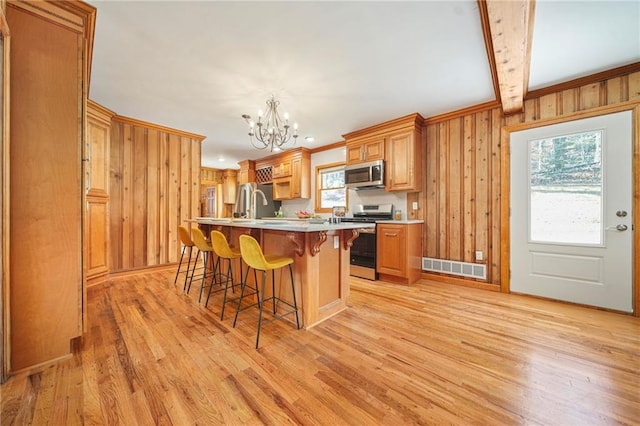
[337, 214]
[363, 250]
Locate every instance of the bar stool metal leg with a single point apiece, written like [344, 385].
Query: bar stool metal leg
[187, 243]
[193, 271]
[181, 267]
[226, 286]
[261, 306]
[175, 280]
[207, 259]
[273, 290]
[243, 285]
[293, 292]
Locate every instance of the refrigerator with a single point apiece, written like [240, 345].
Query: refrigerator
[244, 199]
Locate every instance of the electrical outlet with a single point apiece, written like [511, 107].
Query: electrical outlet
[336, 242]
[479, 255]
[415, 205]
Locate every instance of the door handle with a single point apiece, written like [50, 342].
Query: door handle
[619, 228]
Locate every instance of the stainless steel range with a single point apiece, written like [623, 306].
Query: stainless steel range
[363, 250]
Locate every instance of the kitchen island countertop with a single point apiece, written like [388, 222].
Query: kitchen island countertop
[280, 224]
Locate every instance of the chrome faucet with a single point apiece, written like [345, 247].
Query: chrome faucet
[252, 210]
[246, 200]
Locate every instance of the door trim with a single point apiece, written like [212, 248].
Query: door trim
[505, 187]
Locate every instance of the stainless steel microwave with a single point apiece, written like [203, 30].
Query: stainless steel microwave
[364, 175]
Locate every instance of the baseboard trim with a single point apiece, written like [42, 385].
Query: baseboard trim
[41, 366]
[157, 268]
[460, 281]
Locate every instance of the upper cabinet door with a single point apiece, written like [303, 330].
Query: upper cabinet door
[374, 149]
[403, 162]
[367, 150]
[97, 145]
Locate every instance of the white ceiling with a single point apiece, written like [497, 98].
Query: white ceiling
[336, 67]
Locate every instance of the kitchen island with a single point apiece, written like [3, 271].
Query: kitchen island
[321, 259]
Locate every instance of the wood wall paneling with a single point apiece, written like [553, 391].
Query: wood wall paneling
[463, 188]
[153, 197]
[163, 205]
[495, 220]
[196, 155]
[469, 186]
[173, 211]
[155, 174]
[462, 156]
[139, 195]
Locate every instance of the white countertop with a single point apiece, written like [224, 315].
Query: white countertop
[401, 222]
[281, 224]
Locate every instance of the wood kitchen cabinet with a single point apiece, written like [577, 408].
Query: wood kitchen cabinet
[291, 173]
[365, 151]
[247, 172]
[282, 169]
[403, 166]
[399, 252]
[229, 186]
[50, 67]
[96, 219]
[297, 182]
[399, 143]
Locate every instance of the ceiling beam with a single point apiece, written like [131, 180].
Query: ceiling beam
[510, 26]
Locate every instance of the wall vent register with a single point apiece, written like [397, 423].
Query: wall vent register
[465, 269]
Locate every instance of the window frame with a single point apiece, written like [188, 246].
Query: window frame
[318, 189]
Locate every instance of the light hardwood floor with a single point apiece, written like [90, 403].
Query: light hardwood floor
[429, 353]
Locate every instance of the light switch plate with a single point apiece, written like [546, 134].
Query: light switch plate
[336, 242]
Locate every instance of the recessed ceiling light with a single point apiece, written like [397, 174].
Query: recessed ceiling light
[220, 158]
[309, 139]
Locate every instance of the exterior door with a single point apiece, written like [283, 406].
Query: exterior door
[571, 211]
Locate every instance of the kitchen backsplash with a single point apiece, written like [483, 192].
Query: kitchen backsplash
[367, 196]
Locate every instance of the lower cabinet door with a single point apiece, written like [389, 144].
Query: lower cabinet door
[391, 250]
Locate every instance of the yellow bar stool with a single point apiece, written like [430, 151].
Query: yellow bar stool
[224, 251]
[206, 249]
[187, 244]
[254, 258]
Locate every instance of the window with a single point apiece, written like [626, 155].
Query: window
[566, 179]
[330, 189]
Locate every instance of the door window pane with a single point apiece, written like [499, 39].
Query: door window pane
[565, 188]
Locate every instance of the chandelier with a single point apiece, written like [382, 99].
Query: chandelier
[270, 130]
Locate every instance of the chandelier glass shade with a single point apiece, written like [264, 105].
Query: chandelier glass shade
[271, 130]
